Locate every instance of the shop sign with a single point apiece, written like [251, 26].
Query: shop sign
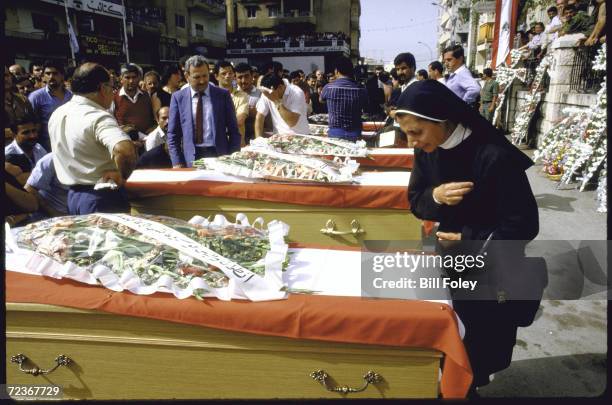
[93, 45]
[103, 7]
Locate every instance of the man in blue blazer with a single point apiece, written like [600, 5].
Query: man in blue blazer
[202, 120]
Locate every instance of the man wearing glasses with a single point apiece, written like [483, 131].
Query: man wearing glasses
[92, 156]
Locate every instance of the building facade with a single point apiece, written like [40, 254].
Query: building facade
[480, 38]
[158, 31]
[301, 34]
[454, 23]
[36, 30]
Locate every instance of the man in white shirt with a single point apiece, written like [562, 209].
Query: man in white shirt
[405, 66]
[535, 44]
[286, 104]
[52, 195]
[89, 147]
[158, 135]
[553, 27]
[26, 141]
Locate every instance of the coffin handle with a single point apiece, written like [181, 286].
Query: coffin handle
[369, 378]
[61, 360]
[330, 228]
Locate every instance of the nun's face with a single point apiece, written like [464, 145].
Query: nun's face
[423, 134]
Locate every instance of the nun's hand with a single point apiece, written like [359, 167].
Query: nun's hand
[452, 193]
[448, 235]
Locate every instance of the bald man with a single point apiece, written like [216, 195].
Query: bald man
[17, 70]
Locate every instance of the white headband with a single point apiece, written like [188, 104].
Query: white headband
[418, 115]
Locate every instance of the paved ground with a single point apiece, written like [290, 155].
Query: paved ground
[564, 352]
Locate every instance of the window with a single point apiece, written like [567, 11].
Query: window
[86, 23]
[44, 22]
[199, 28]
[273, 11]
[251, 11]
[179, 20]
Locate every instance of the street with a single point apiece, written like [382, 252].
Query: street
[564, 352]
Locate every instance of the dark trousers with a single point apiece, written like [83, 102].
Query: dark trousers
[344, 134]
[490, 336]
[205, 152]
[85, 200]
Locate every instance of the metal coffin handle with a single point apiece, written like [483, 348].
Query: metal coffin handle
[369, 378]
[61, 360]
[330, 228]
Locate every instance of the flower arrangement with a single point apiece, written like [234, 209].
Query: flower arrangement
[505, 76]
[311, 145]
[577, 147]
[530, 104]
[146, 253]
[264, 164]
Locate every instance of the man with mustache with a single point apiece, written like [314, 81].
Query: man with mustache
[25, 142]
[49, 98]
[16, 107]
[131, 105]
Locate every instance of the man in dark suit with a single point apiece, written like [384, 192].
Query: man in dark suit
[202, 120]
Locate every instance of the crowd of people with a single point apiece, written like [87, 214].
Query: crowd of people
[198, 109]
[73, 138]
[566, 18]
[191, 110]
[242, 40]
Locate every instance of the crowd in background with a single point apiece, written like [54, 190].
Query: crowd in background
[148, 110]
[195, 109]
[236, 41]
[566, 18]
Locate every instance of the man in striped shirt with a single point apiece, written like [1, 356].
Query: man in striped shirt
[345, 102]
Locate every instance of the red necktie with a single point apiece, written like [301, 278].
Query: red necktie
[199, 124]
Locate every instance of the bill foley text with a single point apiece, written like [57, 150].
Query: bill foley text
[425, 282]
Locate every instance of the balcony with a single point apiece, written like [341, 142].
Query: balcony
[207, 37]
[444, 18]
[444, 37]
[484, 6]
[485, 33]
[462, 27]
[26, 35]
[147, 16]
[287, 46]
[296, 17]
[214, 7]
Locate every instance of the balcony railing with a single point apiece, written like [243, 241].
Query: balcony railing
[295, 16]
[289, 46]
[214, 6]
[27, 35]
[583, 78]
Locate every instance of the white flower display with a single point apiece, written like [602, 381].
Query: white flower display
[530, 104]
[577, 147]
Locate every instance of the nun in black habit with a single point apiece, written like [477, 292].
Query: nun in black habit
[468, 177]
